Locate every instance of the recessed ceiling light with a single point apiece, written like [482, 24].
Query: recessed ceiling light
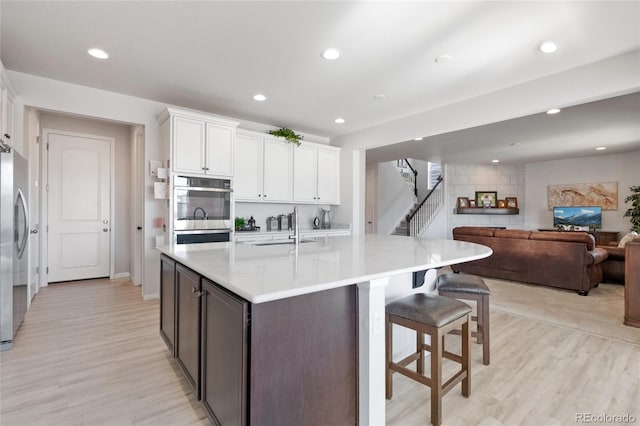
[495, 161]
[601, 148]
[331, 54]
[417, 139]
[259, 97]
[443, 59]
[548, 47]
[379, 97]
[98, 53]
[553, 111]
[339, 120]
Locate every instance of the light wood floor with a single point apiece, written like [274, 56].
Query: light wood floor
[89, 353]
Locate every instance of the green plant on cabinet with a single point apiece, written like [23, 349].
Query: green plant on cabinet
[634, 211]
[287, 134]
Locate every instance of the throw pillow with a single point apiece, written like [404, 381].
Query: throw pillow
[630, 236]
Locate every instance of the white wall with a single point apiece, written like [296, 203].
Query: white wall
[599, 80]
[352, 189]
[47, 94]
[53, 95]
[463, 180]
[394, 197]
[122, 208]
[621, 168]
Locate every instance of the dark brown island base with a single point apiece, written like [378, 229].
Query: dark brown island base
[291, 361]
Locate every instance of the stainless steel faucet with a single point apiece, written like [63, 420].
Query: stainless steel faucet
[296, 231]
[204, 213]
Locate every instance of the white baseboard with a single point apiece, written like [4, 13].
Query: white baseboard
[121, 275]
[151, 296]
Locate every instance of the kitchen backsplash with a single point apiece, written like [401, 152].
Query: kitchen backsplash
[260, 212]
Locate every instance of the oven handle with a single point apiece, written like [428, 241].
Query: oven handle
[201, 188]
[203, 231]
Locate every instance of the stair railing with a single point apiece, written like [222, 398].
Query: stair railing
[427, 210]
[411, 179]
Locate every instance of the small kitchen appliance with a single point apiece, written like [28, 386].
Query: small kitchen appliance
[326, 218]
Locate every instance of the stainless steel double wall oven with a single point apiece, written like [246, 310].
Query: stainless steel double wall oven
[201, 210]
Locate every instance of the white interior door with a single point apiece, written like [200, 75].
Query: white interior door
[34, 201]
[137, 198]
[370, 202]
[79, 206]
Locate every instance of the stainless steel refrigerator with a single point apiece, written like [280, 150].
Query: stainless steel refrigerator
[14, 239]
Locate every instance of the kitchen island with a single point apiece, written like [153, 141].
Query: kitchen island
[307, 342]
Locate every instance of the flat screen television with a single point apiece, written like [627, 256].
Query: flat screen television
[587, 216]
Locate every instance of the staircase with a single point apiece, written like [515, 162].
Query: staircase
[422, 214]
[408, 173]
[403, 227]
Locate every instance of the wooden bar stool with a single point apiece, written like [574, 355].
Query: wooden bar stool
[434, 316]
[470, 287]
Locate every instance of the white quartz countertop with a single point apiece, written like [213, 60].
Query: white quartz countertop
[271, 272]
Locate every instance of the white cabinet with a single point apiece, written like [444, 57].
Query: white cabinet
[200, 144]
[247, 182]
[277, 171]
[316, 174]
[188, 145]
[263, 169]
[6, 113]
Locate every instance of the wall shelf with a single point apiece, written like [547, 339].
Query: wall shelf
[482, 210]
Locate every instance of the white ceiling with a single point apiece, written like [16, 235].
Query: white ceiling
[574, 132]
[214, 56]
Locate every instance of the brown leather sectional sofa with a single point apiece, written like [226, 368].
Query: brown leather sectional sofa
[567, 260]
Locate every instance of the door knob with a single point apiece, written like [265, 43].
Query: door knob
[105, 221]
[105, 229]
[34, 231]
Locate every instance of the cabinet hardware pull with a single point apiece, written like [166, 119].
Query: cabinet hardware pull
[195, 291]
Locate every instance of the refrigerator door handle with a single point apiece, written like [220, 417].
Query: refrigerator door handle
[22, 245]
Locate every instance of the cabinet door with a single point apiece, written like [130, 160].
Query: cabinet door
[168, 301]
[305, 188]
[328, 176]
[8, 113]
[224, 355]
[277, 171]
[3, 99]
[219, 150]
[188, 145]
[247, 182]
[188, 325]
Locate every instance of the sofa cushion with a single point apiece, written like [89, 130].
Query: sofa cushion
[512, 233]
[474, 230]
[624, 240]
[569, 237]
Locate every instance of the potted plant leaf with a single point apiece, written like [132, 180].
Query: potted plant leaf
[634, 211]
[287, 134]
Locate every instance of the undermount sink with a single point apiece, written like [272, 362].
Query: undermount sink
[276, 242]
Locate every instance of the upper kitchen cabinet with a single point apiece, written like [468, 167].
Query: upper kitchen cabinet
[263, 169]
[6, 112]
[200, 144]
[316, 174]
